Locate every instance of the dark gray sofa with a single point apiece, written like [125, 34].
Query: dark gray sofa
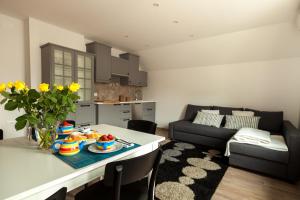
[285, 165]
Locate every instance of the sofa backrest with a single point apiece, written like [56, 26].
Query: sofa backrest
[269, 121]
[225, 111]
[191, 111]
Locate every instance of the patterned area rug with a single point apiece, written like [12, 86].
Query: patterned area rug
[189, 171]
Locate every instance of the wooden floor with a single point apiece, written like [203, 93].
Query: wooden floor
[240, 184]
[243, 185]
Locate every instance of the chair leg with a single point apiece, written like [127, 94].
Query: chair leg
[117, 182]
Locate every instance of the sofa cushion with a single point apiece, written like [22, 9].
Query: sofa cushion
[208, 119]
[225, 111]
[198, 129]
[259, 152]
[238, 122]
[216, 112]
[269, 121]
[242, 113]
[192, 110]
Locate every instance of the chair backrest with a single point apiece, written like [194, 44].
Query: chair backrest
[71, 122]
[1, 134]
[131, 170]
[142, 125]
[59, 195]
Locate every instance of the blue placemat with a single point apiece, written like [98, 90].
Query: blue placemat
[85, 157]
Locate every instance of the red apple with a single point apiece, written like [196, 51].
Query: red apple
[104, 138]
[110, 137]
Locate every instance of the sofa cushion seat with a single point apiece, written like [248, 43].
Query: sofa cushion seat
[198, 129]
[259, 152]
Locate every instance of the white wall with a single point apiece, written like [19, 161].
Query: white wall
[12, 65]
[257, 68]
[20, 55]
[41, 33]
[269, 85]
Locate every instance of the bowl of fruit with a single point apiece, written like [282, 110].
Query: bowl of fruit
[105, 142]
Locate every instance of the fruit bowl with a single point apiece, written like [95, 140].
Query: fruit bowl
[105, 142]
[66, 128]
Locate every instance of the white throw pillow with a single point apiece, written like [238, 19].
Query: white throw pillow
[208, 119]
[216, 112]
[238, 122]
[243, 113]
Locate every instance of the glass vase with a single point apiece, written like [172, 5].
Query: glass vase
[45, 137]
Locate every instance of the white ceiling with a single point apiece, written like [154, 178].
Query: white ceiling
[148, 26]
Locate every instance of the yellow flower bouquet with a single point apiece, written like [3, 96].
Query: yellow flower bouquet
[44, 109]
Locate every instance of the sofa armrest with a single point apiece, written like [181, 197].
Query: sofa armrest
[171, 128]
[292, 138]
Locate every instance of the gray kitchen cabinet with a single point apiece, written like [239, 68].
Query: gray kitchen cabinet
[144, 111]
[142, 79]
[62, 66]
[85, 114]
[114, 114]
[133, 69]
[102, 61]
[119, 66]
[57, 64]
[84, 75]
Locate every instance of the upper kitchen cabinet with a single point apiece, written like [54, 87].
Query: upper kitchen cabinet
[57, 64]
[135, 77]
[142, 79]
[103, 61]
[62, 66]
[84, 72]
[119, 66]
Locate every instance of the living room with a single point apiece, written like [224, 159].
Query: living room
[182, 59]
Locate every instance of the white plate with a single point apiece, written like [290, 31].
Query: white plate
[93, 148]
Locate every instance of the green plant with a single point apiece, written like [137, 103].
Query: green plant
[43, 109]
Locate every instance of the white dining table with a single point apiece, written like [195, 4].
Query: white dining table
[27, 172]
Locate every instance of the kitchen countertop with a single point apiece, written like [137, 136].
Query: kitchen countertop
[123, 102]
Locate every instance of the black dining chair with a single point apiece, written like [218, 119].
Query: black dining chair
[1, 134]
[71, 122]
[126, 179]
[142, 125]
[59, 195]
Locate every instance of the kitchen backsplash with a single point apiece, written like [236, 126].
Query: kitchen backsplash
[112, 91]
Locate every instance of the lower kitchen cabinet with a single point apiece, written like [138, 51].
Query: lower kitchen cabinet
[144, 111]
[114, 114]
[85, 114]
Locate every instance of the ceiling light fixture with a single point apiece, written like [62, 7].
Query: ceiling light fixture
[192, 35]
[155, 4]
[175, 22]
[126, 36]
